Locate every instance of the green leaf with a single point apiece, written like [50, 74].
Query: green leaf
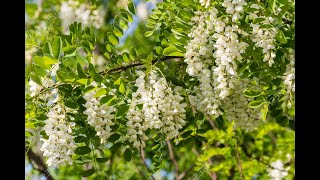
[100, 92]
[96, 141]
[106, 99]
[122, 110]
[148, 33]
[201, 131]
[281, 37]
[88, 172]
[114, 137]
[102, 160]
[159, 50]
[131, 7]
[47, 49]
[291, 112]
[133, 53]
[109, 47]
[56, 47]
[80, 138]
[127, 155]
[44, 61]
[186, 134]
[82, 150]
[172, 51]
[81, 72]
[113, 39]
[69, 51]
[80, 58]
[122, 88]
[71, 104]
[28, 134]
[125, 57]
[256, 103]
[89, 88]
[156, 147]
[118, 81]
[95, 76]
[251, 93]
[264, 112]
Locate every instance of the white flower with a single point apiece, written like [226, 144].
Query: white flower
[289, 79]
[264, 37]
[277, 171]
[73, 11]
[99, 116]
[34, 88]
[161, 109]
[205, 3]
[59, 146]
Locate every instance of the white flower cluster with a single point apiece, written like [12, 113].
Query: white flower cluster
[161, 109]
[36, 88]
[212, 55]
[263, 37]
[216, 77]
[99, 116]
[237, 110]
[199, 57]
[59, 146]
[277, 171]
[205, 3]
[136, 123]
[228, 49]
[234, 7]
[72, 10]
[289, 79]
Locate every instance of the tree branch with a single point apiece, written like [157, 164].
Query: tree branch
[114, 71]
[176, 166]
[40, 165]
[213, 175]
[186, 171]
[211, 121]
[239, 161]
[143, 159]
[123, 68]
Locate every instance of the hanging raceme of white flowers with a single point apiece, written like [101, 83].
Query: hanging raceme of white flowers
[215, 49]
[73, 10]
[289, 80]
[211, 56]
[59, 146]
[161, 109]
[99, 116]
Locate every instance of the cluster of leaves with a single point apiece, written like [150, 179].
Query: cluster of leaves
[204, 148]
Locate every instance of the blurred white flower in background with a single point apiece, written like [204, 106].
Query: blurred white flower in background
[277, 171]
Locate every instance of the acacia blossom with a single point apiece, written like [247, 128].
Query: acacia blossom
[237, 109]
[289, 79]
[99, 116]
[277, 170]
[73, 10]
[161, 108]
[59, 146]
[263, 37]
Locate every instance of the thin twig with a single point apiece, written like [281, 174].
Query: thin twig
[40, 165]
[176, 166]
[213, 175]
[211, 121]
[239, 161]
[143, 159]
[113, 71]
[186, 171]
[123, 68]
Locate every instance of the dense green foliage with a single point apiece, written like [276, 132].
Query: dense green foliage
[65, 63]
